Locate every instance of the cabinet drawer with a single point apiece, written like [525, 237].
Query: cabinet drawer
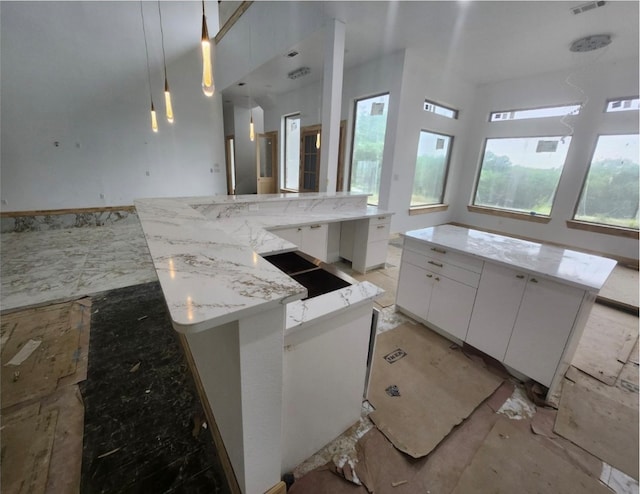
[438, 266]
[378, 231]
[444, 254]
[380, 220]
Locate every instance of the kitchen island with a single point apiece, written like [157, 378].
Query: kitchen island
[523, 303]
[248, 330]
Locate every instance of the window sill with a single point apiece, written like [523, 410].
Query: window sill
[433, 208]
[536, 218]
[618, 231]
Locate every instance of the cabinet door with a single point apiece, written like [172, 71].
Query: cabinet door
[293, 235]
[414, 290]
[495, 310]
[450, 306]
[314, 241]
[545, 319]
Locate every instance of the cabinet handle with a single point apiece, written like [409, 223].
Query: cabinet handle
[441, 251]
[435, 263]
[299, 229]
[381, 226]
[429, 276]
[520, 276]
[437, 279]
[316, 226]
[533, 280]
[381, 217]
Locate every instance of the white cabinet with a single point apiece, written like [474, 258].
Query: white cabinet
[437, 292]
[364, 242]
[496, 308]
[519, 318]
[310, 239]
[546, 317]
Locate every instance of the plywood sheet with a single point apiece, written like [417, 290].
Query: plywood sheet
[58, 335]
[606, 343]
[622, 287]
[27, 438]
[388, 283]
[438, 387]
[603, 420]
[511, 460]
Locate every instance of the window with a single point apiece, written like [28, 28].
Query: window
[431, 169]
[430, 106]
[521, 174]
[550, 111]
[610, 192]
[623, 104]
[369, 129]
[291, 173]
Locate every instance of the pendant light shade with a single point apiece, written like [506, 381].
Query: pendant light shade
[167, 101]
[252, 134]
[154, 119]
[208, 87]
[318, 140]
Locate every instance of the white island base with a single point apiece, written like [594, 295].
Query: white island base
[523, 303]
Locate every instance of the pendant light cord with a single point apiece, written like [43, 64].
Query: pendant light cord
[164, 58]
[146, 49]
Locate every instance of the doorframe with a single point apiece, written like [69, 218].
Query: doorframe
[273, 135]
[309, 129]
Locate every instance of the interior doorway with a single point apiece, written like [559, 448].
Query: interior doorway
[267, 169]
[310, 159]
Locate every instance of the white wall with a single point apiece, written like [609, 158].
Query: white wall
[67, 78]
[592, 83]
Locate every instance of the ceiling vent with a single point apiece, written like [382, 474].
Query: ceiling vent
[301, 72]
[585, 7]
[590, 43]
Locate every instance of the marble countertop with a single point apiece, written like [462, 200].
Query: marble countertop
[574, 268]
[209, 264]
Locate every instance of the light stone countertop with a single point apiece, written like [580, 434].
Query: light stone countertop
[207, 254]
[570, 267]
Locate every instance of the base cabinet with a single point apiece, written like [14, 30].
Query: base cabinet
[310, 239]
[516, 317]
[541, 331]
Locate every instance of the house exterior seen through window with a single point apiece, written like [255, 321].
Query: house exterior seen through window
[521, 174]
[610, 192]
[432, 163]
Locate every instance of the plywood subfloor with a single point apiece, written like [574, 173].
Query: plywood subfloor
[606, 343]
[601, 419]
[511, 461]
[438, 388]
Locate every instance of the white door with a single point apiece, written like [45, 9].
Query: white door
[496, 308]
[545, 319]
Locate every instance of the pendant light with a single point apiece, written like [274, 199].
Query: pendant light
[167, 94]
[154, 119]
[208, 87]
[252, 134]
[318, 140]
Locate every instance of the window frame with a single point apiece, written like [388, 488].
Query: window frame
[491, 113]
[578, 224]
[432, 206]
[511, 213]
[353, 135]
[435, 103]
[621, 98]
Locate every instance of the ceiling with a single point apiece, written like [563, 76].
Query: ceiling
[479, 41]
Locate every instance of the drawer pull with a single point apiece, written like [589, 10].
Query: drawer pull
[429, 276]
[381, 217]
[437, 279]
[381, 226]
[441, 251]
[520, 276]
[533, 280]
[299, 229]
[435, 263]
[316, 226]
